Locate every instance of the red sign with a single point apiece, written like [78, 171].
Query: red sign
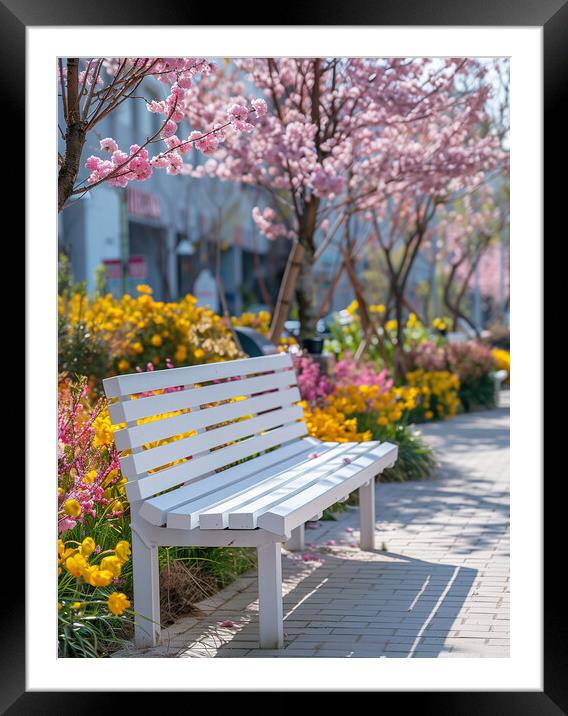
[113, 268]
[143, 204]
[137, 267]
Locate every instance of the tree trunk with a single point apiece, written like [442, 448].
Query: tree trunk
[305, 296]
[286, 292]
[305, 288]
[74, 136]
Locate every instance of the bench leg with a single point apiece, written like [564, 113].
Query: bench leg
[367, 514]
[270, 596]
[296, 541]
[146, 593]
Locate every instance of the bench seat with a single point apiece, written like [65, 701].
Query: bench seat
[218, 455]
[277, 491]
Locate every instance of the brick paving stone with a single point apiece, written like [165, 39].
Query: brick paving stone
[439, 590]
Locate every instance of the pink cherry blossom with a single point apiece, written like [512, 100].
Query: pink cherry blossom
[108, 145]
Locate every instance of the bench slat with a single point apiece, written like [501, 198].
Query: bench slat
[169, 427]
[147, 486]
[190, 515]
[293, 481]
[155, 509]
[130, 410]
[122, 385]
[287, 515]
[137, 463]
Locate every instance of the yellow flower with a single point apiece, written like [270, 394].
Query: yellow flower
[181, 354]
[428, 415]
[391, 325]
[89, 477]
[156, 340]
[75, 565]
[137, 347]
[122, 550]
[198, 353]
[60, 491]
[118, 603]
[352, 307]
[111, 564]
[101, 578]
[143, 288]
[377, 308]
[76, 605]
[88, 546]
[103, 430]
[412, 321]
[72, 508]
[382, 420]
[123, 365]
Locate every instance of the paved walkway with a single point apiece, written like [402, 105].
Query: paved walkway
[438, 586]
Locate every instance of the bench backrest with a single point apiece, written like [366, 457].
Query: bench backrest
[210, 416]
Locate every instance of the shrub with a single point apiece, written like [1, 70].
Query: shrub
[473, 363]
[139, 330]
[82, 353]
[438, 394]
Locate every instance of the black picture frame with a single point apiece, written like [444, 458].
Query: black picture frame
[552, 15]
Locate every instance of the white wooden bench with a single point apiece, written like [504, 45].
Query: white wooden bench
[213, 495]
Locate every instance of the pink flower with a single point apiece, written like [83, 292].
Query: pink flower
[227, 624]
[238, 115]
[352, 544]
[169, 129]
[347, 460]
[313, 455]
[349, 529]
[108, 145]
[259, 106]
[330, 542]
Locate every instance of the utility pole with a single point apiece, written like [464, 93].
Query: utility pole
[124, 241]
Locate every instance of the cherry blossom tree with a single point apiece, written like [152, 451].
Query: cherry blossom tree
[92, 89]
[471, 232]
[346, 135]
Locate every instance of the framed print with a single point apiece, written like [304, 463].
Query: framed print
[353, 515]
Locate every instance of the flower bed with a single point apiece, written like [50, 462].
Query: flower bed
[105, 335]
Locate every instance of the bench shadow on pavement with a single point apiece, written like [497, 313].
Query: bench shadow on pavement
[392, 606]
